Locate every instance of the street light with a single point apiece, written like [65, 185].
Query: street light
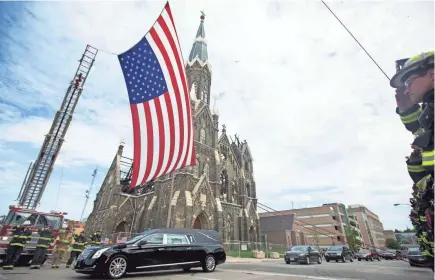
[397, 204]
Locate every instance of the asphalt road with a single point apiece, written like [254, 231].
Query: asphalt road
[384, 270]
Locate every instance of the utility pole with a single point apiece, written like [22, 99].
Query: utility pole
[88, 192]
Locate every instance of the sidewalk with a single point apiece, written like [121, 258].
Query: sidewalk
[250, 260]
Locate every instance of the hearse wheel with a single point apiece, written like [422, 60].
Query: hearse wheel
[209, 264]
[117, 267]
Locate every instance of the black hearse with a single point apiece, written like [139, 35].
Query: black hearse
[155, 249]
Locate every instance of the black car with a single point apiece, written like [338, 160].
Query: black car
[416, 258]
[155, 250]
[390, 255]
[338, 253]
[303, 254]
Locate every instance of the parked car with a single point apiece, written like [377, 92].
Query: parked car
[338, 253]
[303, 254]
[390, 255]
[155, 250]
[368, 255]
[381, 253]
[415, 258]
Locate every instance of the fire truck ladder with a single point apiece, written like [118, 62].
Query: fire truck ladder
[38, 178]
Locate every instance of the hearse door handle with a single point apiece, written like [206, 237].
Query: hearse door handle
[161, 249]
[189, 248]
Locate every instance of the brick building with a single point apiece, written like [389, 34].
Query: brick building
[281, 229]
[322, 226]
[371, 227]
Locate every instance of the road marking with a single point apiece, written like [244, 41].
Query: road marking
[285, 274]
[197, 277]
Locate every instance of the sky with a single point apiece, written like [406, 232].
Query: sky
[318, 115]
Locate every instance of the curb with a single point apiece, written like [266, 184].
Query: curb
[250, 260]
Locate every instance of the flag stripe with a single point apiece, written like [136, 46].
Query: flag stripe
[174, 57]
[191, 157]
[169, 31]
[142, 149]
[161, 135]
[174, 120]
[167, 60]
[136, 142]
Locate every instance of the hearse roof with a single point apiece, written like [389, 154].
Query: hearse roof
[200, 235]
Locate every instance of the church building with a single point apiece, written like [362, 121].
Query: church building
[218, 193]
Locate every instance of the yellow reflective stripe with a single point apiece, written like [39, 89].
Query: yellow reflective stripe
[428, 158]
[77, 250]
[420, 130]
[64, 241]
[42, 246]
[422, 185]
[416, 168]
[80, 244]
[15, 236]
[412, 117]
[45, 238]
[17, 244]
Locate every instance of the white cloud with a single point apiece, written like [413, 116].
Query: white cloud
[315, 110]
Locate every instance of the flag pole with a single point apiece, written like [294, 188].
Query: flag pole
[168, 221]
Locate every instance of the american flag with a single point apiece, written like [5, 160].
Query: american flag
[159, 101]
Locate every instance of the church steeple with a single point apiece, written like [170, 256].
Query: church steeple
[198, 68]
[199, 48]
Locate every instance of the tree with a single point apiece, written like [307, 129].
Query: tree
[392, 243]
[352, 239]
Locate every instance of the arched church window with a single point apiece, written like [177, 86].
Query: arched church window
[202, 136]
[248, 190]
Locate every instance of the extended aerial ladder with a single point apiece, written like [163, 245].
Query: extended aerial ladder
[36, 181]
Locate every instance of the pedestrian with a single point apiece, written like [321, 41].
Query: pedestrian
[62, 244]
[21, 237]
[46, 238]
[77, 247]
[96, 238]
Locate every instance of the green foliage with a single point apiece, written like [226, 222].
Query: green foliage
[352, 239]
[392, 243]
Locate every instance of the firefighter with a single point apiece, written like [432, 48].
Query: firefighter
[77, 247]
[415, 86]
[96, 238]
[21, 237]
[46, 239]
[62, 245]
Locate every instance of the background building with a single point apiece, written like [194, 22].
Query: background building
[322, 226]
[281, 229]
[218, 193]
[370, 225]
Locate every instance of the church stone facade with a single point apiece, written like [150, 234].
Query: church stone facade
[218, 193]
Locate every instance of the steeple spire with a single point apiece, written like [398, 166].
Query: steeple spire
[199, 48]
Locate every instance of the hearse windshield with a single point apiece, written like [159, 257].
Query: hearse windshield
[36, 220]
[139, 237]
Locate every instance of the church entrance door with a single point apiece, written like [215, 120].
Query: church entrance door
[201, 221]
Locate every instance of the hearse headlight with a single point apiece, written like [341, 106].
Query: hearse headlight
[99, 253]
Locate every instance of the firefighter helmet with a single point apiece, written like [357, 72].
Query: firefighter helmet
[415, 64]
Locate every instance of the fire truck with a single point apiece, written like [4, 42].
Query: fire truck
[38, 174]
[38, 220]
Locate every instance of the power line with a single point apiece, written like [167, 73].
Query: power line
[356, 40]
[330, 232]
[279, 213]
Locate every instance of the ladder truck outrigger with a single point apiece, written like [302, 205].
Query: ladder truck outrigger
[39, 172]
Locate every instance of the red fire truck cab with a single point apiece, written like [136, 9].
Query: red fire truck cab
[38, 220]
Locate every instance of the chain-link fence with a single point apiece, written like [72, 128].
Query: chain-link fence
[243, 249]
